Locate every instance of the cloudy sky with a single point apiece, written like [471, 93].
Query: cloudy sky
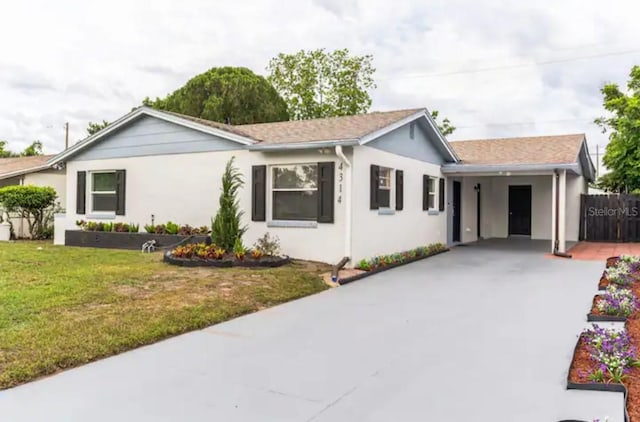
[495, 68]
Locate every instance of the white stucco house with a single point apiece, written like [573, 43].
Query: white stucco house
[31, 171]
[354, 186]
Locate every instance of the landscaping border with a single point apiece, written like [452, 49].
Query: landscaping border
[225, 263]
[611, 261]
[124, 240]
[365, 274]
[603, 277]
[605, 318]
[591, 317]
[592, 386]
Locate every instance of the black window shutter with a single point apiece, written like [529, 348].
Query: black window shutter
[425, 192]
[258, 193]
[399, 190]
[325, 191]
[121, 191]
[374, 184]
[81, 193]
[441, 194]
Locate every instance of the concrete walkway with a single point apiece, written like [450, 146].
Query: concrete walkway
[473, 334]
[600, 251]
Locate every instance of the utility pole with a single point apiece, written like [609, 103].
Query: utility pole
[66, 135]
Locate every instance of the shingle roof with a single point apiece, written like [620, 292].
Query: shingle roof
[21, 165]
[210, 123]
[557, 149]
[332, 128]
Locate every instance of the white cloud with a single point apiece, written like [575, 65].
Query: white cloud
[72, 61]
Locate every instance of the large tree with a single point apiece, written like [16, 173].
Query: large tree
[94, 128]
[4, 151]
[233, 95]
[622, 155]
[34, 149]
[318, 83]
[446, 128]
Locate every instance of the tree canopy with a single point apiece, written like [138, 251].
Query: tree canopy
[232, 95]
[94, 128]
[622, 154]
[317, 83]
[446, 128]
[34, 149]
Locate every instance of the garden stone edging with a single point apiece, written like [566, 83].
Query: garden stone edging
[225, 263]
[385, 268]
[605, 318]
[592, 386]
[125, 240]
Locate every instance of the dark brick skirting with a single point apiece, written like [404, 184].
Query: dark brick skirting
[131, 241]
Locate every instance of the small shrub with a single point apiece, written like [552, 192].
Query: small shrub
[31, 203]
[149, 228]
[160, 229]
[203, 230]
[238, 249]
[363, 264]
[172, 228]
[618, 302]
[620, 274]
[218, 253]
[134, 228]
[121, 227]
[268, 245]
[256, 253]
[226, 227]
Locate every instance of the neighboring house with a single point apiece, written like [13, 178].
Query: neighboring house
[353, 186]
[31, 171]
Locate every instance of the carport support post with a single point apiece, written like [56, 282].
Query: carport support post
[554, 185]
[562, 187]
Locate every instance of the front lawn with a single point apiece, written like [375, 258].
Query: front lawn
[61, 306]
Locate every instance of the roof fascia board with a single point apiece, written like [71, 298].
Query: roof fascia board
[302, 145]
[24, 171]
[504, 168]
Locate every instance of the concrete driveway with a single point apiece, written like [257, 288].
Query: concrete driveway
[482, 333]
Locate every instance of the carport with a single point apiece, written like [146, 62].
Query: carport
[518, 187]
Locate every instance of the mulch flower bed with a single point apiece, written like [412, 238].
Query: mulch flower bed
[605, 358]
[209, 255]
[633, 381]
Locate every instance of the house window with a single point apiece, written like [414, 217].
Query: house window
[432, 193]
[384, 187]
[103, 191]
[295, 192]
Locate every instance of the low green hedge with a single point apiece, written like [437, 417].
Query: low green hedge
[400, 257]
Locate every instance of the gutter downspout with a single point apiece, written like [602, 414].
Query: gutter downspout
[348, 218]
[556, 243]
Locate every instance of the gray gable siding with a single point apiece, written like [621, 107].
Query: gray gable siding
[151, 136]
[400, 143]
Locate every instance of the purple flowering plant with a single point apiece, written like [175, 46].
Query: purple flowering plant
[613, 351]
[617, 301]
[620, 274]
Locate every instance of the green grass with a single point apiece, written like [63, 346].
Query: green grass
[61, 306]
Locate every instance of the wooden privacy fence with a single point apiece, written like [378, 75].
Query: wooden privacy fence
[610, 218]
